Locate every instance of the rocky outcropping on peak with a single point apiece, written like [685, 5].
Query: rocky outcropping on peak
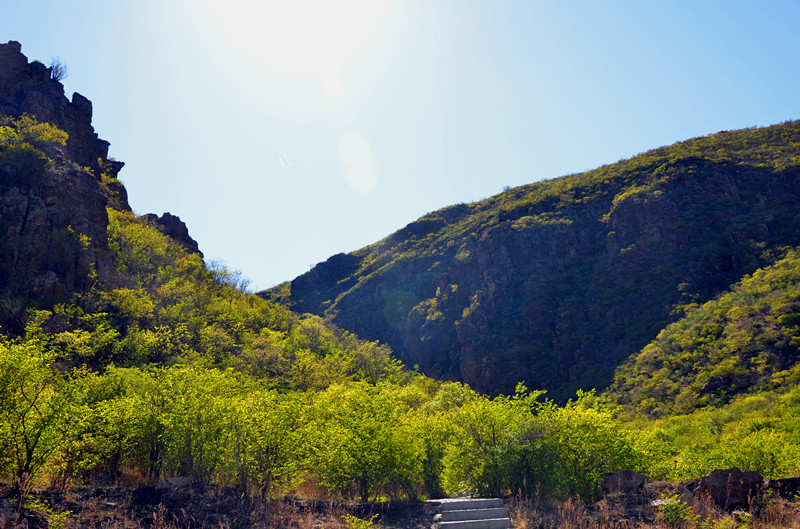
[53, 223]
[53, 237]
[173, 227]
[27, 88]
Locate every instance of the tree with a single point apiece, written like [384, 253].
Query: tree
[36, 413]
[269, 440]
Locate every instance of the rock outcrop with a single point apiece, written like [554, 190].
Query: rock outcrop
[27, 88]
[53, 226]
[173, 227]
[53, 238]
[623, 482]
[731, 488]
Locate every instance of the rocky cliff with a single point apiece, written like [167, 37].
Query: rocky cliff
[53, 221]
[557, 283]
[28, 88]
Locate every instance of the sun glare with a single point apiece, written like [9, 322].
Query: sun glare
[311, 37]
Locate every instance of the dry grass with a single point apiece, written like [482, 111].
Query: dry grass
[198, 507]
[201, 507]
[638, 513]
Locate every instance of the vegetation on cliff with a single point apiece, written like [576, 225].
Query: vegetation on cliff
[21, 140]
[745, 340]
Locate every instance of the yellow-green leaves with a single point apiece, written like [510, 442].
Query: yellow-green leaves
[27, 129]
[20, 143]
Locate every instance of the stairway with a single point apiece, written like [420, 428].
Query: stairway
[472, 513]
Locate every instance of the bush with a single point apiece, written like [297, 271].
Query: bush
[521, 445]
[672, 511]
[19, 139]
[361, 446]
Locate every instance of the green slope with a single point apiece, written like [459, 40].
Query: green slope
[746, 340]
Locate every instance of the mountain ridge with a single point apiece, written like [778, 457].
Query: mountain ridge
[527, 284]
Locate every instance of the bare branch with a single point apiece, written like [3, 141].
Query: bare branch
[58, 70]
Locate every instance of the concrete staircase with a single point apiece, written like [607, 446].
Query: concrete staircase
[472, 513]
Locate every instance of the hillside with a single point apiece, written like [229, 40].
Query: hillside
[559, 282]
[145, 364]
[745, 340]
[142, 387]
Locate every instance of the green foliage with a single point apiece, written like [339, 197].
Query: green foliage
[55, 520]
[757, 432]
[362, 445]
[173, 368]
[38, 415]
[270, 440]
[521, 445]
[23, 161]
[27, 129]
[587, 443]
[20, 143]
[672, 511]
[746, 339]
[354, 522]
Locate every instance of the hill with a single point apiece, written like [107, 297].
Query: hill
[126, 361]
[559, 282]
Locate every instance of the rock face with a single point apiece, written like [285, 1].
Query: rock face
[172, 226]
[557, 283]
[53, 227]
[27, 88]
[788, 488]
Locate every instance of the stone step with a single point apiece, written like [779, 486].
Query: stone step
[474, 514]
[491, 523]
[470, 503]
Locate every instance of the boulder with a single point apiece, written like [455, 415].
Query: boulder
[173, 227]
[788, 488]
[730, 488]
[8, 515]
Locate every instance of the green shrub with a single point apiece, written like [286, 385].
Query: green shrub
[672, 511]
[19, 139]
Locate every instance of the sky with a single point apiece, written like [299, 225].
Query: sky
[283, 132]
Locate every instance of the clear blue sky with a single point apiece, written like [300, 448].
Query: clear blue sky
[284, 132]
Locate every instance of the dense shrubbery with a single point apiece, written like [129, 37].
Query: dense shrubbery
[747, 339]
[724, 381]
[524, 445]
[358, 439]
[172, 370]
[758, 432]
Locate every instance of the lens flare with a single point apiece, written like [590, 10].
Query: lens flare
[357, 163]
